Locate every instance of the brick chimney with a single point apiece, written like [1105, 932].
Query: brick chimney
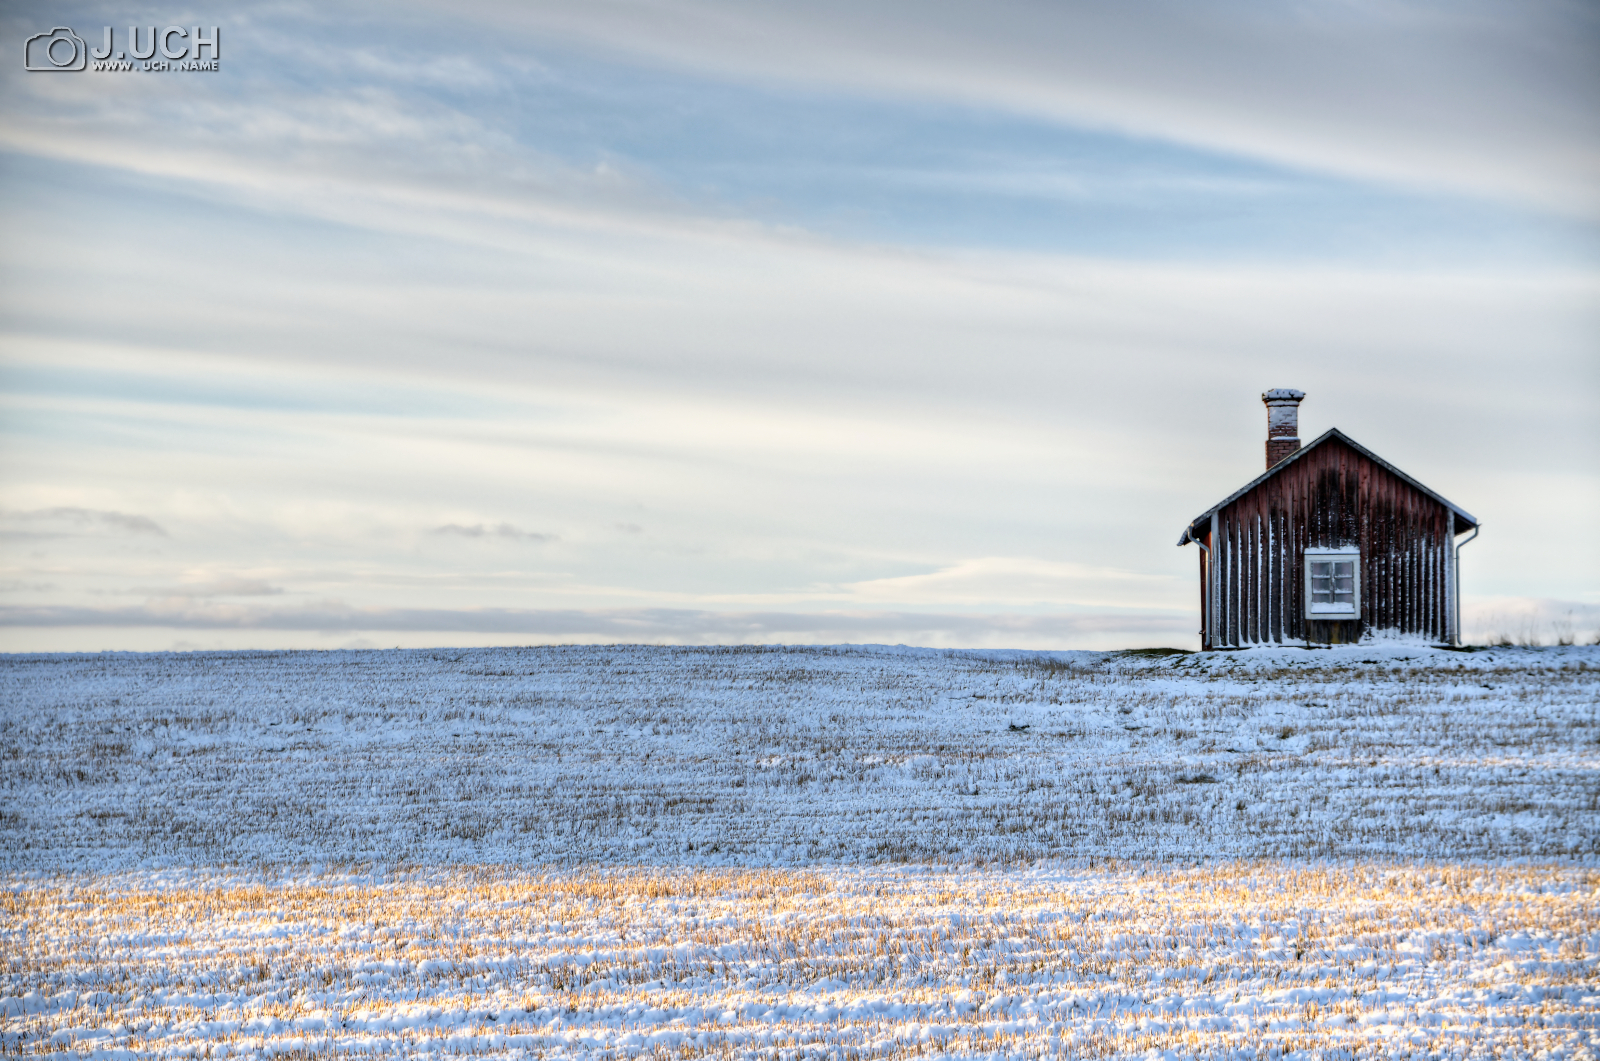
[1283, 423]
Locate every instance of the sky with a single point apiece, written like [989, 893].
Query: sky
[665, 322]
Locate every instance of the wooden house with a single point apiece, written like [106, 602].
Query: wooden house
[1330, 545]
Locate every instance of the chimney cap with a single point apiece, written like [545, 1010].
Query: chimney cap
[1283, 394]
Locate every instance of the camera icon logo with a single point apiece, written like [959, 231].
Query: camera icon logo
[60, 49]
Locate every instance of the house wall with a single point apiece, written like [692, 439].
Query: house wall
[1253, 574]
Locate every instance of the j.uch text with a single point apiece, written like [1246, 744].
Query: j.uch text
[149, 49]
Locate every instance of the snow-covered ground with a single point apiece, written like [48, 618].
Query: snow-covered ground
[803, 852]
[795, 757]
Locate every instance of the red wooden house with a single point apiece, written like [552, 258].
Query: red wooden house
[1330, 545]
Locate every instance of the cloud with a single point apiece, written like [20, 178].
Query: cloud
[347, 154]
[1530, 621]
[1522, 620]
[17, 585]
[496, 530]
[80, 521]
[665, 625]
[1023, 581]
[1491, 97]
[222, 587]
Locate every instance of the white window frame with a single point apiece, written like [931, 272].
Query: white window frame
[1334, 611]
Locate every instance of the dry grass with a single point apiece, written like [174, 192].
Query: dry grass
[1366, 959]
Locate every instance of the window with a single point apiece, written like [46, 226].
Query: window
[1333, 583]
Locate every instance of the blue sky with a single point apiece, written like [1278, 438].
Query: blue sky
[678, 322]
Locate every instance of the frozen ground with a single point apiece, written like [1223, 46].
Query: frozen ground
[749, 852]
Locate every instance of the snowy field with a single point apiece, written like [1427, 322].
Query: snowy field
[1387, 851]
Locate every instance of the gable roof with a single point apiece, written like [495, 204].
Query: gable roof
[1464, 519]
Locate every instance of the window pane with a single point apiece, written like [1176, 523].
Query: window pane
[1344, 582]
[1321, 582]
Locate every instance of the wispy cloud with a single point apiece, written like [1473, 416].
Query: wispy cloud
[666, 625]
[222, 587]
[1025, 581]
[17, 585]
[65, 522]
[1491, 97]
[412, 132]
[492, 530]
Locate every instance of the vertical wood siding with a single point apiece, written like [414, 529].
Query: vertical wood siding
[1330, 497]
